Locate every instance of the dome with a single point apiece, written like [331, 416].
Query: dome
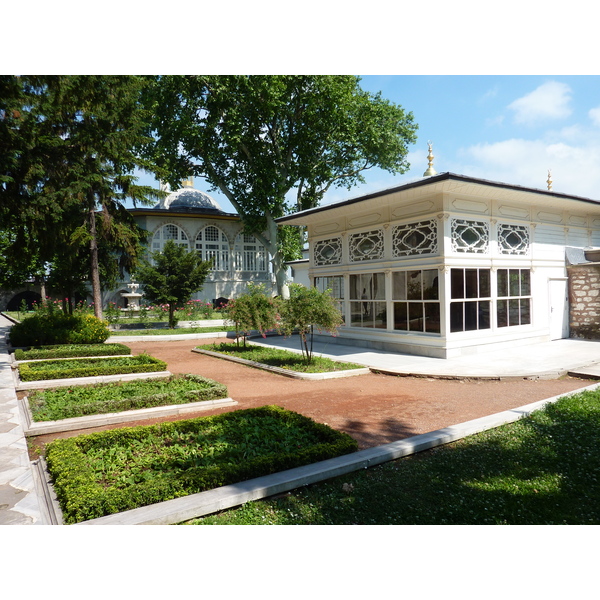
[187, 197]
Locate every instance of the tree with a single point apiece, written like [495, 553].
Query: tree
[256, 310]
[69, 147]
[259, 138]
[305, 308]
[172, 277]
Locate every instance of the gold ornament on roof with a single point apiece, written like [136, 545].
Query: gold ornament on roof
[549, 180]
[430, 171]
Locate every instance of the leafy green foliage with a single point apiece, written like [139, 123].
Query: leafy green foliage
[258, 138]
[68, 150]
[76, 401]
[89, 367]
[541, 470]
[42, 329]
[284, 359]
[112, 471]
[307, 307]
[255, 310]
[172, 277]
[70, 350]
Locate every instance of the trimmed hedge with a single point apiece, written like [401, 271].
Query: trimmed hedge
[84, 495]
[58, 328]
[78, 401]
[89, 367]
[71, 351]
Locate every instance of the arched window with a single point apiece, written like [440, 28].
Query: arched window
[212, 243]
[250, 254]
[169, 232]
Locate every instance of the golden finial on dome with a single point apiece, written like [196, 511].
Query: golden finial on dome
[549, 180]
[189, 182]
[430, 171]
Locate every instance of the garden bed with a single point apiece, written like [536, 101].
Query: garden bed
[113, 471]
[70, 351]
[78, 401]
[282, 362]
[79, 407]
[89, 367]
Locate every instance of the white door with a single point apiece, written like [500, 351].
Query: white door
[559, 309]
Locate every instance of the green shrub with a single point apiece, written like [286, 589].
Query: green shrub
[77, 401]
[89, 367]
[121, 469]
[69, 351]
[57, 328]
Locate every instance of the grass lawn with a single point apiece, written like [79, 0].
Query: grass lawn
[77, 401]
[111, 471]
[284, 359]
[541, 470]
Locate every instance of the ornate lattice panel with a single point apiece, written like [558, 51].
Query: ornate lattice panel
[366, 246]
[470, 236]
[513, 239]
[328, 252]
[415, 238]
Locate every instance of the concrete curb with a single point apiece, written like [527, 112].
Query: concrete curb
[33, 428]
[205, 503]
[285, 372]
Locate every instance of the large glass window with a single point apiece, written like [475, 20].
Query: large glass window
[169, 232]
[334, 283]
[514, 297]
[416, 300]
[470, 302]
[367, 300]
[212, 244]
[250, 254]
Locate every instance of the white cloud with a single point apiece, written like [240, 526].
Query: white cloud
[526, 162]
[594, 115]
[549, 101]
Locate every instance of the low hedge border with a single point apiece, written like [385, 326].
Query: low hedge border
[81, 497]
[71, 351]
[211, 390]
[90, 367]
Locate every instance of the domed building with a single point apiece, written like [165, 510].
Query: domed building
[194, 220]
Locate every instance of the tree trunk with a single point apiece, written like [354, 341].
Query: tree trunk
[95, 270]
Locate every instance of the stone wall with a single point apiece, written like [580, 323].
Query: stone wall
[584, 300]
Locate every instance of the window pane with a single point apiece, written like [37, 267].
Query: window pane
[400, 318]
[471, 315]
[502, 283]
[471, 280]
[399, 285]
[379, 311]
[484, 314]
[378, 286]
[456, 316]
[525, 311]
[502, 313]
[430, 285]
[525, 283]
[484, 283]
[432, 317]
[415, 316]
[513, 282]
[457, 283]
[414, 285]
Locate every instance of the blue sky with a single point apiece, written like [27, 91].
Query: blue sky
[507, 128]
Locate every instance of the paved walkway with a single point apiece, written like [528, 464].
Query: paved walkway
[547, 360]
[21, 498]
